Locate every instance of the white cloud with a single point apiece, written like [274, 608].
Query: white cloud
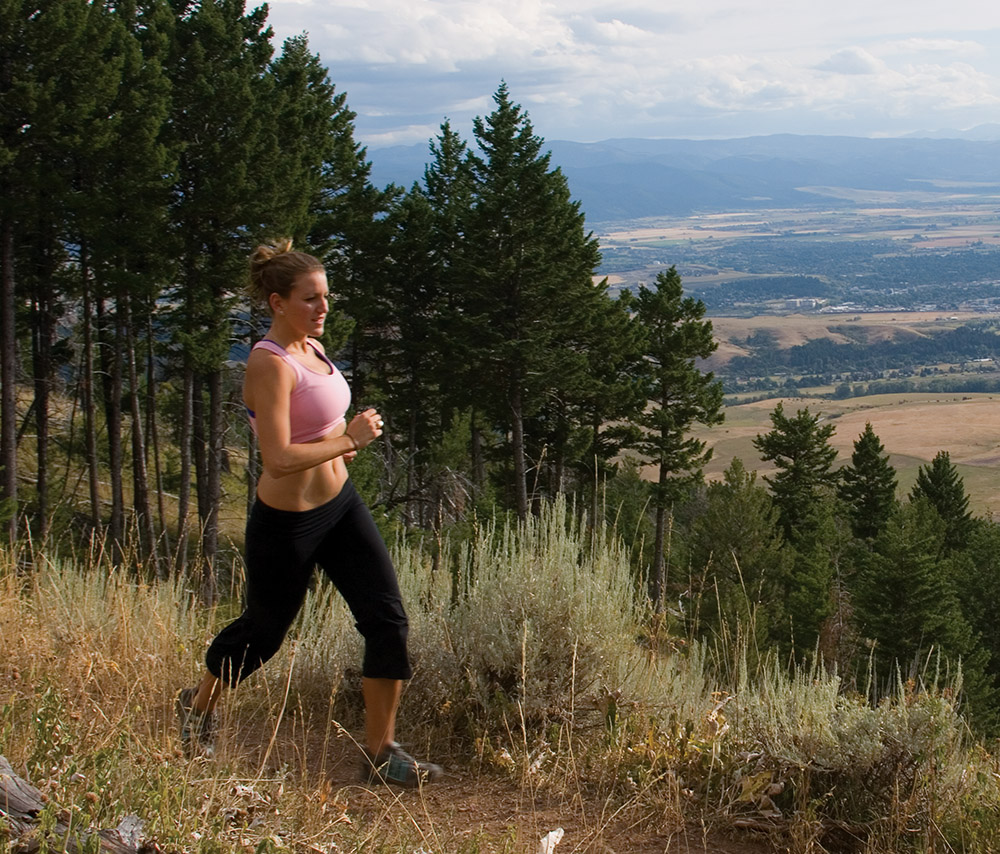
[590, 69]
[408, 135]
[852, 60]
[612, 32]
[925, 45]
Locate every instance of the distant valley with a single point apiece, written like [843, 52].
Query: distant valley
[619, 180]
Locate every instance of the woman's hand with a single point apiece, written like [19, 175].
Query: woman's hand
[365, 427]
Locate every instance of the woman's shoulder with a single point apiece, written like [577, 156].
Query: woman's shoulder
[265, 361]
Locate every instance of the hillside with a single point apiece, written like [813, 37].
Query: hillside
[913, 427]
[623, 179]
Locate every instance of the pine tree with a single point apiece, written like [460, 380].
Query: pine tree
[800, 449]
[977, 584]
[868, 486]
[17, 81]
[907, 604]
[410, 356]
[123, 182]
[737, 548]
[56, 110]
[680, 394]
[942, 485]
[527, 270]
[221, 127]
[447, 189]
[612, 396]
[353, 234]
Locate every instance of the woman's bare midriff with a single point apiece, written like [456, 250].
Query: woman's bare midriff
[306, 489]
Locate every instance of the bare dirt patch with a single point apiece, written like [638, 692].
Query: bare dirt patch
[475, 808]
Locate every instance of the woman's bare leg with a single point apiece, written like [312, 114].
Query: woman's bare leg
[207, 694]
[381, 701]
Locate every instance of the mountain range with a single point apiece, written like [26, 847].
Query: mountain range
[624, 179]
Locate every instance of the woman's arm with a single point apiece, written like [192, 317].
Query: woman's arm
[267, 390]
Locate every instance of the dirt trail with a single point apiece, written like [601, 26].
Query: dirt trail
[466, 805]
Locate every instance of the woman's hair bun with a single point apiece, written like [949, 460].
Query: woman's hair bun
[267, 251]
[274, 266]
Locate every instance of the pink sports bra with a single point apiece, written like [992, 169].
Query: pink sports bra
[319, 401]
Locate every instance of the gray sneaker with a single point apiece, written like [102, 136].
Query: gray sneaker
[197, 728]
[394, 765]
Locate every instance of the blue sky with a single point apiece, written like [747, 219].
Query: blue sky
[591, 69]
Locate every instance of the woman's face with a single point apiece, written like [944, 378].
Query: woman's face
[306, 306]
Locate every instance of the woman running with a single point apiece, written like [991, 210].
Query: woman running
[307, 512]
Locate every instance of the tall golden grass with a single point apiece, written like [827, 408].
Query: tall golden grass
[538, 668]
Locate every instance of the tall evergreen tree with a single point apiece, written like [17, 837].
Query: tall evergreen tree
[528, 268]
[799, 446]
[736, 547]
[906, 602]
[942, 485]
[59, 110]
[680, 395]
[301, 135]
[222, 126]
[352, 233]
[121, 227]
[977, 584]
[408, 376]
[613, 394]
[17, 82]
[868, 486]
[447, 186]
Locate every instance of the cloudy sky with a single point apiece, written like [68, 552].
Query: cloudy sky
[588, 70]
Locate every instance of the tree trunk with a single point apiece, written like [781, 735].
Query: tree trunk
[185, 439]
[153, 434]
[41, 347]
[8, 378]
[111, 374]
[87, 394]
[213, 490]
[476, 452]
[657, 574]
[517, 449]
[412, 512]
[595, 486]
[140, 478]
[199, 446]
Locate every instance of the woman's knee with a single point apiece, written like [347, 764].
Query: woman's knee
[386, 654]
[243, 647]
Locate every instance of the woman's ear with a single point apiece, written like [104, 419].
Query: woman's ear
[274, 302]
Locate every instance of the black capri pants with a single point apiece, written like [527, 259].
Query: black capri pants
[282, 549]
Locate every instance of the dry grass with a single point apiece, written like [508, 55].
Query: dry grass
[794, 329]
[913, 427]
[550, 694]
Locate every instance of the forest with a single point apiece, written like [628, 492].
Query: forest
[468, 311]
[467, 306]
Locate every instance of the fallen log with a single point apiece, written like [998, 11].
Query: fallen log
[21, 804]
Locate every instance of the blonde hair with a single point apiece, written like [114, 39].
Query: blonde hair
[274, 267]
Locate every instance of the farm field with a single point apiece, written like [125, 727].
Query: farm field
[875, 250]
[912, 427]
[794, 329]
[928, 220]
